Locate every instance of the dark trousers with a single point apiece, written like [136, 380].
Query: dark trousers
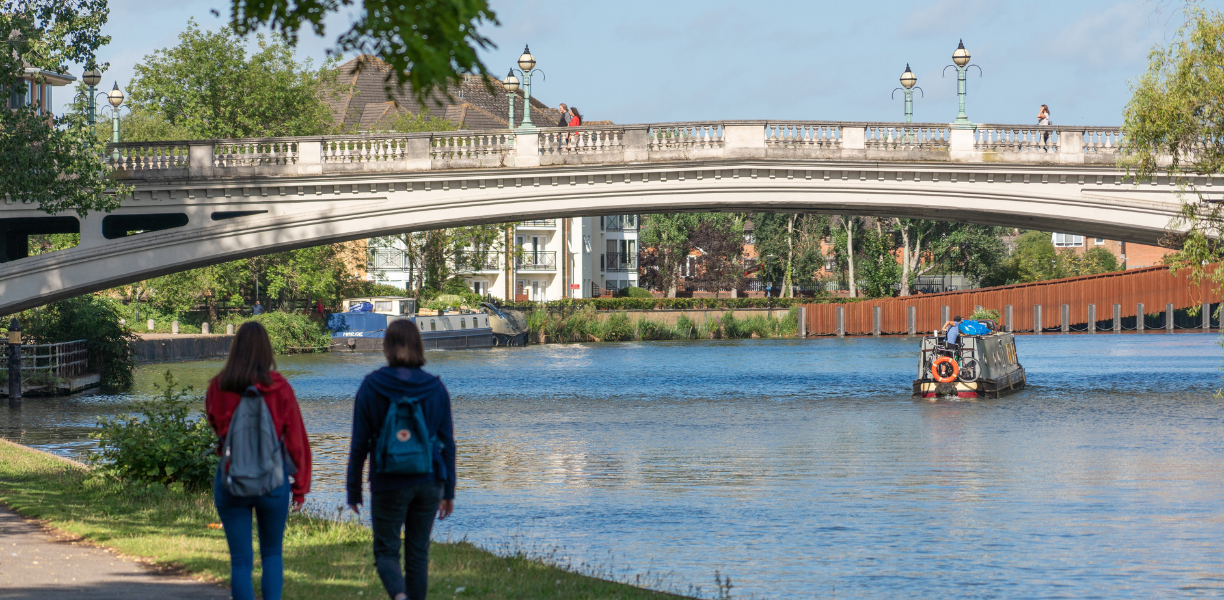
[271, 509]
[411, 510]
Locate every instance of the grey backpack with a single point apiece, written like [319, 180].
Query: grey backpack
[254, 458]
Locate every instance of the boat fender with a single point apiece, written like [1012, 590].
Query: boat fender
[935, 369]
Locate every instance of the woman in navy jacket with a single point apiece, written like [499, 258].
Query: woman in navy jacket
[408, 501]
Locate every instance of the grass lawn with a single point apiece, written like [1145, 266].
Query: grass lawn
[323, 558]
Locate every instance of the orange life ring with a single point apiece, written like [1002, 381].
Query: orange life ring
[935, 369]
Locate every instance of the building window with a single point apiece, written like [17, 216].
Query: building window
[830, 264]
[1067, 240]
[433, 325]
[1098, 241]
[462, 323]
[749, 237]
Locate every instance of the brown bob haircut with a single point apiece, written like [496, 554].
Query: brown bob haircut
[402, 346]
[250, 359]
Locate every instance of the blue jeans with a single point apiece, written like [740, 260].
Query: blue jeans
[411, 510]
[271, 509]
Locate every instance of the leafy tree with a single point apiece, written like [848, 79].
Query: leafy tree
[1098, 260]
[1174, 123]
[1035, 256]
[664, 239]
[92, 318]
[44, 159]
[844, 249]
[429, 44]
[720, 239]
[207, 87]
[879, 269]
[790, 248]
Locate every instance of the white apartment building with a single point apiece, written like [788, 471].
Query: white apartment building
[576, 257]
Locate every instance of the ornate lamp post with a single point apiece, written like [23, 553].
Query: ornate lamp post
[115, 97]
[526, 63]
[511, 83]
[91, 78]
[908, 79]
[960, 58]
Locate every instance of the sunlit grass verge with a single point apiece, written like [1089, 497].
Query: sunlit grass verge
[324, 558]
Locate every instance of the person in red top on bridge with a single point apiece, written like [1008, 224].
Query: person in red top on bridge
[251, 362]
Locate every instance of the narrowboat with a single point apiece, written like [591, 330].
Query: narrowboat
[983, 364]
[362, 327]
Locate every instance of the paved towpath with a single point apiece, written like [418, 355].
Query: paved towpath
[34, 564]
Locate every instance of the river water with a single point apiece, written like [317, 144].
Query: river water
[803, 468]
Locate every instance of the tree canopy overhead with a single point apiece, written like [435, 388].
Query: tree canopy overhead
[429, 44]
[46, 159]
[208, 87]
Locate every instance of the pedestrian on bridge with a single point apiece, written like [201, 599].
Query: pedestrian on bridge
[250, 365]
[409, 484]
[565, 115]
[1043, 118]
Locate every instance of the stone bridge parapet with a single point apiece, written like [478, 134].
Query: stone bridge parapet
[613, 144]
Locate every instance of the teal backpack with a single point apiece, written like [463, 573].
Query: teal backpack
[404, 447]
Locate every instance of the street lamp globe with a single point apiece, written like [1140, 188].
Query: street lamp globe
[115, 96]
[526, 61]
[91, 77]
[961, 56]
[511, 82]
[908, 79]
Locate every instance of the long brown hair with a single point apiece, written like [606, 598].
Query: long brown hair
[402, 346]
[250, 359]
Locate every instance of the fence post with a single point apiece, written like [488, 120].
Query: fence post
[1091, 318]
[1007, 314]
[841, 321]
[14, 363]
[1169, 316]
[802, 321]
[1117, 318]
[1065, 325]
[229, 329]
[174, 327]
[152, 324]
[875, 321]
[204, 328]
[1206, 316]
[944, 315]
[1139, 315]
[912, 319]
[1037, 319]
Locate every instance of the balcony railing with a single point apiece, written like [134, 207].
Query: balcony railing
[621, 223]
[539, 223]
[469, 261]
[536, 261]
[617, 261]
[389, 259]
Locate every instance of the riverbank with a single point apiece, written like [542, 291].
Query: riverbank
[324, 558]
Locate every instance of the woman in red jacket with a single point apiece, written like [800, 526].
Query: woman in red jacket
[251, 362]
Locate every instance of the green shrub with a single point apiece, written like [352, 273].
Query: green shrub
[633, 292]
[291, 333]
[985, 313]
[162, 444]
[92, 318]
[617, 328]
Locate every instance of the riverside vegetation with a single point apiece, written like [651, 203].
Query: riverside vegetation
[148, 495]
[584, 325]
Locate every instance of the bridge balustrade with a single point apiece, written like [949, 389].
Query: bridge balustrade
[613, 144]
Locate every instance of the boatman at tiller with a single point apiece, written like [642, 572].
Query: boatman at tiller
[953, 329]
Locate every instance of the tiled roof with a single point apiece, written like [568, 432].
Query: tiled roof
[363, 104]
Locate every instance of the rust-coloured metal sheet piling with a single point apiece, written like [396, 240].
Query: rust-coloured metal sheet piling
[1152, 286]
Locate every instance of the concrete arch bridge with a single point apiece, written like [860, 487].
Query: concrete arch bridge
[204, 202]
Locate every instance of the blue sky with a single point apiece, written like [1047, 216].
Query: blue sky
[635, 61]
